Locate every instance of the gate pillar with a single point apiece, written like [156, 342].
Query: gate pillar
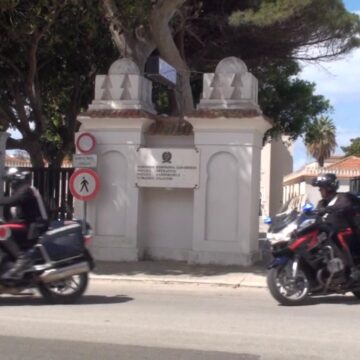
[118, 116]
[228, 128]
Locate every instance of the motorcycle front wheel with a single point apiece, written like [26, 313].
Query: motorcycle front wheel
[286, 289]
[66, 291]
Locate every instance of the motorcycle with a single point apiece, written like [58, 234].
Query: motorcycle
[60, 272]
[309, 258]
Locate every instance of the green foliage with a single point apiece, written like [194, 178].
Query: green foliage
[268, 12]
[133, 12]
[295, 24]
[289, 101]
[50, 52]
[353, 149]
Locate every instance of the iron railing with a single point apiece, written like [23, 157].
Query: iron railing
[53, 185]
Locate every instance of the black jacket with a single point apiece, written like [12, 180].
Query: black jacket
[30, 204]
[339, 210]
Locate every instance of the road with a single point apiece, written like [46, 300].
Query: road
[118, 320]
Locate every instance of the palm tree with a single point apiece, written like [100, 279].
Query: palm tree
[320, 139]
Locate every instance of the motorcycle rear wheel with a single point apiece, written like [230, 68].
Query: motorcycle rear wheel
[66, 291]
[285, 289]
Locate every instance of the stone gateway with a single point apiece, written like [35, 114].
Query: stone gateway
[180, 189]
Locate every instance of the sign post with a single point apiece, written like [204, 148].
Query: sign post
[84, 185]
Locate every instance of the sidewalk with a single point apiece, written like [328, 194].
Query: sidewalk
[168, 272]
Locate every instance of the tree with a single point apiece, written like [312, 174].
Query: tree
[353, 149]
[50, 52]
[320, 139]
[288, 100]
[197, 35]
[293, 29]
[49, 55]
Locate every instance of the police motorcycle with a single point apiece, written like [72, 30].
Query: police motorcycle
[309, 257]
[63, 263]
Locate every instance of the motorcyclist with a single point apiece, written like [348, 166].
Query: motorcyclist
[30, 220]
[338, 210]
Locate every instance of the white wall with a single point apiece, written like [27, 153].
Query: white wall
[166, 223]
[276, 162]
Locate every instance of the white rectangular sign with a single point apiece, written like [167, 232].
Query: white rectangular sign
[168, 168]
[84, 161]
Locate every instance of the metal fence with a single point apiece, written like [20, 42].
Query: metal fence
[53, 185]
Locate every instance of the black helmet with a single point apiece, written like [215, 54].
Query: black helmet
[327, 181]
[16, 177]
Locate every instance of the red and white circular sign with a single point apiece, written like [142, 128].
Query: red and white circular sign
[84, 184]
[85, 143]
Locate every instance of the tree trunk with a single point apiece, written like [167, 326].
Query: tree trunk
[136, 45]
[35, 153]
[163, 38]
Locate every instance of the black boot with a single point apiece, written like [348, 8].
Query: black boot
[22, 264]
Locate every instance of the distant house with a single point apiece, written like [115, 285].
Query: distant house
[299, 182]
[22, 161]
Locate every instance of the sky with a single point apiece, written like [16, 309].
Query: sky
[339, 82]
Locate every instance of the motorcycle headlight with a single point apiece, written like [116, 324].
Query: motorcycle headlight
[283, 235]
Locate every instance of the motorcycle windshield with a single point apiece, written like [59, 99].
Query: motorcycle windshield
[280, 221]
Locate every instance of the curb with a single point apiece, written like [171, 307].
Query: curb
[260, 283]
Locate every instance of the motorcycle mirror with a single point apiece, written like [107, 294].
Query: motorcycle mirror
[308, 207]
[267, 220]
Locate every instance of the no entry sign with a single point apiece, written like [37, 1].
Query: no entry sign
[84, 184]
[85, 143]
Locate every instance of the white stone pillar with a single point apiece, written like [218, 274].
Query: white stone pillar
[117, 118]
[228, 128]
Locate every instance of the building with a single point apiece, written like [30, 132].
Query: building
[276, 162]
[355, 185]
[299, 183]
[23, 161]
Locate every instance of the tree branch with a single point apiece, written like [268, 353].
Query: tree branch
[14, 144]
[137, 44]
[116, 27]
[32, 90]
[160, 17]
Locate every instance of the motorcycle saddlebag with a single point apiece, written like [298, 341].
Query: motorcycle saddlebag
[63, 242]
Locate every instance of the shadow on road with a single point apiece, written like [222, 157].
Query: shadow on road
[31, 300]
[331, 300]
[100, 299]
[334, 299]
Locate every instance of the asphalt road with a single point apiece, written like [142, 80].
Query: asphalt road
[117, 320]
